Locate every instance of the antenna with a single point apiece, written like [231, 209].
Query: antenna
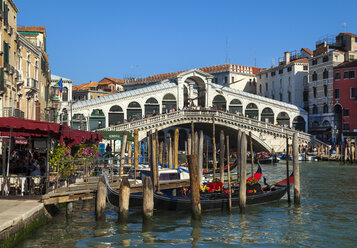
[344, 26]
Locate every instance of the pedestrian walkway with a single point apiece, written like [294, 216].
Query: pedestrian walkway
[14, 212]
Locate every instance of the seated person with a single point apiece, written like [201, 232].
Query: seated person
[253, 186]
[36, 172]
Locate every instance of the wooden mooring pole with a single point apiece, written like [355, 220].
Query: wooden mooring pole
[193, 138]
[136, 149]
[195, 187]
[251, 153]
[148, 199]
[229, 176]
[221, 156]
[243, 173]
[214, 158]
[101, 198]
[296, 170]
[176, 146]
[239, 137]
[200, 156]
[124, 195]
[122, 154]
[206, 155]
[287, 166]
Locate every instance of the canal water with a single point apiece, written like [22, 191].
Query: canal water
[326, 218]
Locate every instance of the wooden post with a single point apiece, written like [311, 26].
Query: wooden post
[195, 187]
[214, 158]
[69, 209]
[161, 150]
[148, 147]
[167, 150]
[287, 166]
[221, 156]
[122, 154]
[243, 173]
[189, 143]
[170, 150]
[176, 144]
[200, 157]
[192, 138]
[157, 161]
[296, 170]
[124, 195]
[101, 198]
[154, 161]
[148, 199]
[196, 143]
[129, 152]
[136, 149]
[251, 152]
[337, 152]
[239, 137]
[229, 176]
[345, 157]
[353, 152]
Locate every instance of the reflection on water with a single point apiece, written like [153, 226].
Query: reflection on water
[325, 218]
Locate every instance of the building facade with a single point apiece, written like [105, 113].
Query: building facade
[61, 103]
[321, 98]
[288, 81]
[345, 101]
[8, 46]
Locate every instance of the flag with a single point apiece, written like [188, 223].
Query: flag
[60, 83]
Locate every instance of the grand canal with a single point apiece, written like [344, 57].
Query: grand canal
[326, 218]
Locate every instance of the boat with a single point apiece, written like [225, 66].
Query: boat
[231, 167]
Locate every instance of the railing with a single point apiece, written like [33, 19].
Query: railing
[220, 116]
[32, 83]
[13, 112]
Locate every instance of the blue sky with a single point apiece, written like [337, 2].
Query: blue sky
[88, 40]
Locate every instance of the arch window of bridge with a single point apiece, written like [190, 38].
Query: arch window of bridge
[116, 115]
[267, 115]
[152, 107]
[201, 90]
[299, 123]
[96, 119]
[134, 111]
[283, 119]
[235, 106]
[185, 96]
[79, 122]
[252, 111]
[219, 102]
[168, 103]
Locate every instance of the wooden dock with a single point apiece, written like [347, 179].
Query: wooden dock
[87, 190]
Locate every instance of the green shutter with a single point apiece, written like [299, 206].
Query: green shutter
[2, 81]
[6, 54]
[6, 9]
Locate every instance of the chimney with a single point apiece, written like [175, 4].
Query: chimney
[287, 57]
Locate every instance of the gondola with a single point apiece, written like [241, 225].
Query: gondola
[232, 166]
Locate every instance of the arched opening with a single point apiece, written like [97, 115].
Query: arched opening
[196, 84]
[235, 107]
[168, 103]
[116, 115]
[79, 122]
[267, 115]
[152, 107]
[185, 97]
[96, 120]
[219, 102]
[252, 111]
[134, 111]
[65, 94]
[283, 119]
[299, 123]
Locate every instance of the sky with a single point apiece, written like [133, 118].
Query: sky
[88, 40]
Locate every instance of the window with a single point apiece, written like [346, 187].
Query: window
[314, 109]
[289, 96]
[352, 57]
[345, 75]
[289, 68]
[353, 92]
[28, 66]
[346, 126]
[325, 74]
[314, 91]
[337, 93]
[314, 76]
[346, 112]
[337, 75]
[325, 58]
[352, 74]
[281, 71]
[260, 89]
[325, 90]
[6, 53]
[232, 80]
[273, 73]
[266, 87]
[272, 96]
[266, 75]
[325, 108]
[314, 62]
[260, 76]
[281, 96]
[355, 39]
[306, 96]
[305, 68]
[225, 80]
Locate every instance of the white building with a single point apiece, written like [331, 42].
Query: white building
[63, 115]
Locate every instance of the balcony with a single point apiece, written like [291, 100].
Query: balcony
[31, 83]
[13, 112]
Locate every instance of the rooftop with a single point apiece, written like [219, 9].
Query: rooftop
[56, 78]
[38, 29]
[352, 63]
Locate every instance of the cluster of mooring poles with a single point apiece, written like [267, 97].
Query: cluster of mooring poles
[195, 150]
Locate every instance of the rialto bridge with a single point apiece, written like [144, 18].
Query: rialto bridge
[166, 104]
